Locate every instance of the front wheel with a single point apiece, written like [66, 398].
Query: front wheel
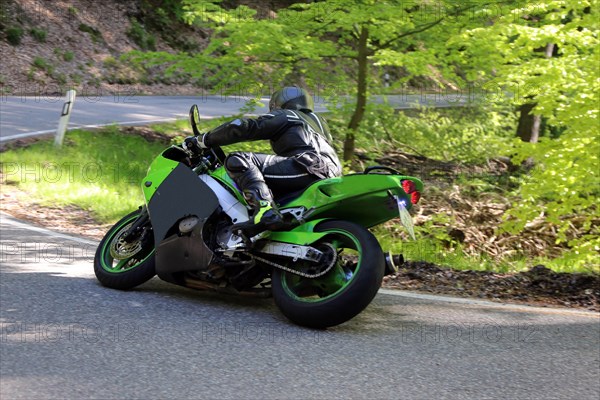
[126, 259]
[345, 290]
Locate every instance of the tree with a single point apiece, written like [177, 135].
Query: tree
[336, 39]
[562, 189]
[530, 124]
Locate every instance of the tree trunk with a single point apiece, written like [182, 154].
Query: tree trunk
[525, 129]
[529, 125]
[361, 95]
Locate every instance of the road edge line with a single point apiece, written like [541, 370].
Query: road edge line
[489, 304]
[92, 126]
[8, 219]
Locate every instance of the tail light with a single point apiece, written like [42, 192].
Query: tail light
[415, 197]
[410, 188]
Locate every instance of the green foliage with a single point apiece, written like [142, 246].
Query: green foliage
[98, 171]
[562, 189]
[138, 34]
[60, 78]
[165, 18]
[435, 246]
[94, 33]
[68, 56]
[38, 34]
[123, 73]
[14, 35]
[76, 78]
[468, 134]
[110, 62]
[42, 64]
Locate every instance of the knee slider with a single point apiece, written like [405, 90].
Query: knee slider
[236, 162]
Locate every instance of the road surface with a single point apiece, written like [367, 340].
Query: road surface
[66, 337]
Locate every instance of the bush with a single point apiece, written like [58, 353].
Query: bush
[14, 35]
[38, 34]
[143, 39]
[68, 56]
[110, 62]
[94, 33]
[464, 134]
[60, 78]
[76, 78]
[40, 63]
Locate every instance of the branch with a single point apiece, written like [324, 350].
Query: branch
[422, 28]
[409, 33]
[305, 58]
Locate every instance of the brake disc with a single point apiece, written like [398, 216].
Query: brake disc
[120, 249]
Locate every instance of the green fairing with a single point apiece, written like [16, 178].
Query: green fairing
[158, 171]
[361, 198]
[221, 175]
[344, 198]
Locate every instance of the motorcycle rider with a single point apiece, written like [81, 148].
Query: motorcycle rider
[301, 142]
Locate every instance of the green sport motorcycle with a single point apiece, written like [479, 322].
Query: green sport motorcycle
[323, 270]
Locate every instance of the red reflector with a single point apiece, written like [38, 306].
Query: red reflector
[415, 197]
[408, 186]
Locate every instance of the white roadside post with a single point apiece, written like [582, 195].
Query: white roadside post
[64, 118]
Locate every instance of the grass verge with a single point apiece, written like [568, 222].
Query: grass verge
[98, 171]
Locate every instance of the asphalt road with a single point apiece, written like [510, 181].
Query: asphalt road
[21, 116]
[63, 336]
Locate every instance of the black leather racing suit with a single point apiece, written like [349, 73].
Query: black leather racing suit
[300, 140]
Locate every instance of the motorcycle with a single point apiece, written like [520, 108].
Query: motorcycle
[323, 269]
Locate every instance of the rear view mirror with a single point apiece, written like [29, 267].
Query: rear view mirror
[195, 119]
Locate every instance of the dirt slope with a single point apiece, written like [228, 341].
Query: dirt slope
[75, 43]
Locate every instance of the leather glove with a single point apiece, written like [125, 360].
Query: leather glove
[194, 144]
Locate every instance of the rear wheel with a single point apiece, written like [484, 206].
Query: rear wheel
[124, 264]
[345, 290]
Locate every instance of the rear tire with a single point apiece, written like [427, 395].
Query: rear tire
[129, 272]
[343, 292]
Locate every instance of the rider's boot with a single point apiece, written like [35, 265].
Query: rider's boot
[265, 214]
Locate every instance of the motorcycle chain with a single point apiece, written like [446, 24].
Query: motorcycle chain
[296, 272]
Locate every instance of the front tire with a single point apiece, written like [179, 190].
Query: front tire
[134, 269]
[341, 293]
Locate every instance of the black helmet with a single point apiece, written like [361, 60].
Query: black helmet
[291, 98]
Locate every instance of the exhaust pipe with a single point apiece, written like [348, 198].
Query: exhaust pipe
[392, 262]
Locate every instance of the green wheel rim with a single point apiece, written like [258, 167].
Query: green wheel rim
[332, 283]
[108, 262]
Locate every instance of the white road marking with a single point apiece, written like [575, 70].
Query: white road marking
[483, 303]
[47, 131]
[8, 220]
